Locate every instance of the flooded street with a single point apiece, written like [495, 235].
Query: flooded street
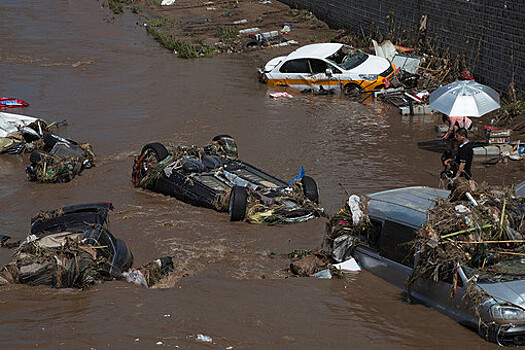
[118, 90]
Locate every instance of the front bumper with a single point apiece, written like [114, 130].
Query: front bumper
[504, 335]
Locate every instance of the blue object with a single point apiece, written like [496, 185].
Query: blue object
[298, 177]
[521, 149]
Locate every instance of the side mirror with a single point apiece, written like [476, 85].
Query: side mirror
[329, 72]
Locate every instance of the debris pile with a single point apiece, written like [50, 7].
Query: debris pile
[417, 76]
[481, 231]
[20, 133]
[262, 207]
[59, 160]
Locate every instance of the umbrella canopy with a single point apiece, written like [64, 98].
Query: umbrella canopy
[464, 98]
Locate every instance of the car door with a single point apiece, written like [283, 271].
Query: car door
[304, 73]
[293, 73]
[320, 79]
[390, 256]
[447, 295]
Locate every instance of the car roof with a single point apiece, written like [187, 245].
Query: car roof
[321, 50]
[407, 206]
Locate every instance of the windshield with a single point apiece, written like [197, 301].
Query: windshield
[503, 271]
[347, 57]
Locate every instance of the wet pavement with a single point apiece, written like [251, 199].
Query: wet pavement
[119, 90]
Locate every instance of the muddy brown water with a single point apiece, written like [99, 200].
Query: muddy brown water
[119, 90]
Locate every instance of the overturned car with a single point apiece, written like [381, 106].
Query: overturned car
[213, 177]
[459, 252]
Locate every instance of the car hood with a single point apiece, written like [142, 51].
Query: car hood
[273, 63]
[373, 65]
[511, 292]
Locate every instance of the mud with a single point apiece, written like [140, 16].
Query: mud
[212, 27]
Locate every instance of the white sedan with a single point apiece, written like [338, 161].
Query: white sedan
[328, 66]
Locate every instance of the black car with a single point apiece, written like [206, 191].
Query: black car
[68, 247]
[213, 177]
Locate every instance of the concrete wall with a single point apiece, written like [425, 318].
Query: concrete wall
[490, 34]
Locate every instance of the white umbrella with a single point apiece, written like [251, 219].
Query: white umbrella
[464, 98]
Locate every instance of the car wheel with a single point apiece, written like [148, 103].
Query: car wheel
[228, 144]
[158, 148]
[310, 189]
[352, 90]
[251, 44]
[218, 137]
[238, 203]
[151, 154]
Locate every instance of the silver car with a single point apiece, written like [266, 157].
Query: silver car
[498, 315]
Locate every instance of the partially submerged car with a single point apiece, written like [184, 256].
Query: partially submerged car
[328, 66]
[68, 247]
[72, 247]
[59, 160]
[477, 280]
[213, 177]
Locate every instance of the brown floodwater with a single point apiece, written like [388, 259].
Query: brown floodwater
[119, 90]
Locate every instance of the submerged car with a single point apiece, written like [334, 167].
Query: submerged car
[328, 66]
[58, 159]
[489, 300]
[213, 177]
[68, 247]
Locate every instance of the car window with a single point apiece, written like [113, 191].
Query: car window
[318, 66]
[348, 57]
[296, 66]
[449, 273]
[396, 243]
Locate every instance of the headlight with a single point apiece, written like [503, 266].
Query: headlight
[368, 76]
[505, 313]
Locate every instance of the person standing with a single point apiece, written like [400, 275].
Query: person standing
[463, 160]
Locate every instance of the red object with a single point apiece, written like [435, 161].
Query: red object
[491, 128]
[8, 102]
[468, 76]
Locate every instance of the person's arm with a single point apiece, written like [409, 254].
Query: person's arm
[447, 133]
[460, 169]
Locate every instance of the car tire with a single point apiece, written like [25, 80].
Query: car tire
[159, 149]
[140, 170]
[234, 150]
[352, 90]
[218, 137]
[251, 44]
[238, 203]
[310, 189]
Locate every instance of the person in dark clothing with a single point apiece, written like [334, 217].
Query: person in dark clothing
[463, 160]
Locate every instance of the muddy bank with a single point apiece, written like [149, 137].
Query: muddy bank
[210, 28]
